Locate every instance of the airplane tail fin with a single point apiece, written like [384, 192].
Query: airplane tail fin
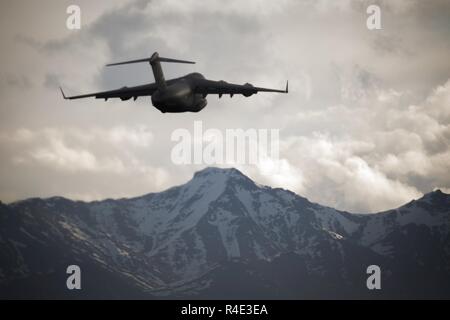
[155, 61]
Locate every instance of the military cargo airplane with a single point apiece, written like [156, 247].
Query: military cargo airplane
[184, 94]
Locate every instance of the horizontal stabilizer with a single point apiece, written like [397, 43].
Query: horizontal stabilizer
[128, 62]
[161, 59]
[154, 58]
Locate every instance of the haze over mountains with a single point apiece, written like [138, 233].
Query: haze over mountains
[221, 235]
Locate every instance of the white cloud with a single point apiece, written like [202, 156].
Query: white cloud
[74, 149]
[366, 162]
[75, 152]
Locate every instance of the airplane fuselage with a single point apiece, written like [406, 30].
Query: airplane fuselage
[179, 95]
[184, 94]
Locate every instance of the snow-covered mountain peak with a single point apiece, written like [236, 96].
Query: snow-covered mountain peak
[436, 200]
[436, 196]
[223, 176]
[214, 173]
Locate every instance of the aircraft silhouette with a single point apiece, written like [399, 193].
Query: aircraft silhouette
[184, 94]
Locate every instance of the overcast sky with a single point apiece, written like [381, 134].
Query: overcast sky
[365, 127]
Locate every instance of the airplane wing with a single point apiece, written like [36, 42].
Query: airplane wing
[124, 93]
[206, 87]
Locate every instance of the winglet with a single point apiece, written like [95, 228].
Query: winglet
[64, 96]
[287, 86]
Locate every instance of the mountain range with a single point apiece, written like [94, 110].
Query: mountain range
[222, 236]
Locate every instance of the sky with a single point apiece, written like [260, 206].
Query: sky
[364, 128]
